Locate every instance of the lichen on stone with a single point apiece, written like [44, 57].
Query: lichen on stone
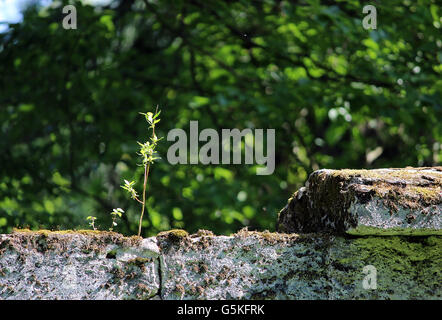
[269, 237]
[77, 265]
[407, 266]
[342, 200]
[203, 233]
[98, 237]
[173, 236]
[245, 265]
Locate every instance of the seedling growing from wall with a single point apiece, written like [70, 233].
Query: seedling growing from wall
[92, 222]
[115, 213]
[148, 156]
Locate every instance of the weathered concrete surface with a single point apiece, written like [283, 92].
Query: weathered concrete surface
[88, 265]
[264, 265]
[246, 265]
[388, 220]
[400, 201]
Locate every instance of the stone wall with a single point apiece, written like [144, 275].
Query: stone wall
[356, 240]
[400, 201]
[246, 265]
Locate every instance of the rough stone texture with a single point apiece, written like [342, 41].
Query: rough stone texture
[46, 265]
[246, 265]
[401, 201]
[255, 265]
[407, 267]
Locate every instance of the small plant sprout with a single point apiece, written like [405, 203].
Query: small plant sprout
[148, 156]
[92, 222]
[115, 213]
[128, 186]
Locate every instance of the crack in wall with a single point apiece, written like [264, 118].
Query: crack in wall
[252, 265]
[160, 276]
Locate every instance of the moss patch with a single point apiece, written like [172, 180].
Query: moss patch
[139, 262]
[44, 240]
[414, 175]
[174, 235]
[372, 231]
[409, 265]
[413, 188]
[46, 232]
[329, 194]
[269, 237]
[203, 233]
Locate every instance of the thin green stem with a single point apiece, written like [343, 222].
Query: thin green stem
[146, 174]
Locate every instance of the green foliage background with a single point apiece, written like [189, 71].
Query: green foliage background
[338, 96]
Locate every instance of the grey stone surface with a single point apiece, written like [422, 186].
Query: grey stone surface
[246, 265]
[77, 266]
[401, 201]
[254, 265]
